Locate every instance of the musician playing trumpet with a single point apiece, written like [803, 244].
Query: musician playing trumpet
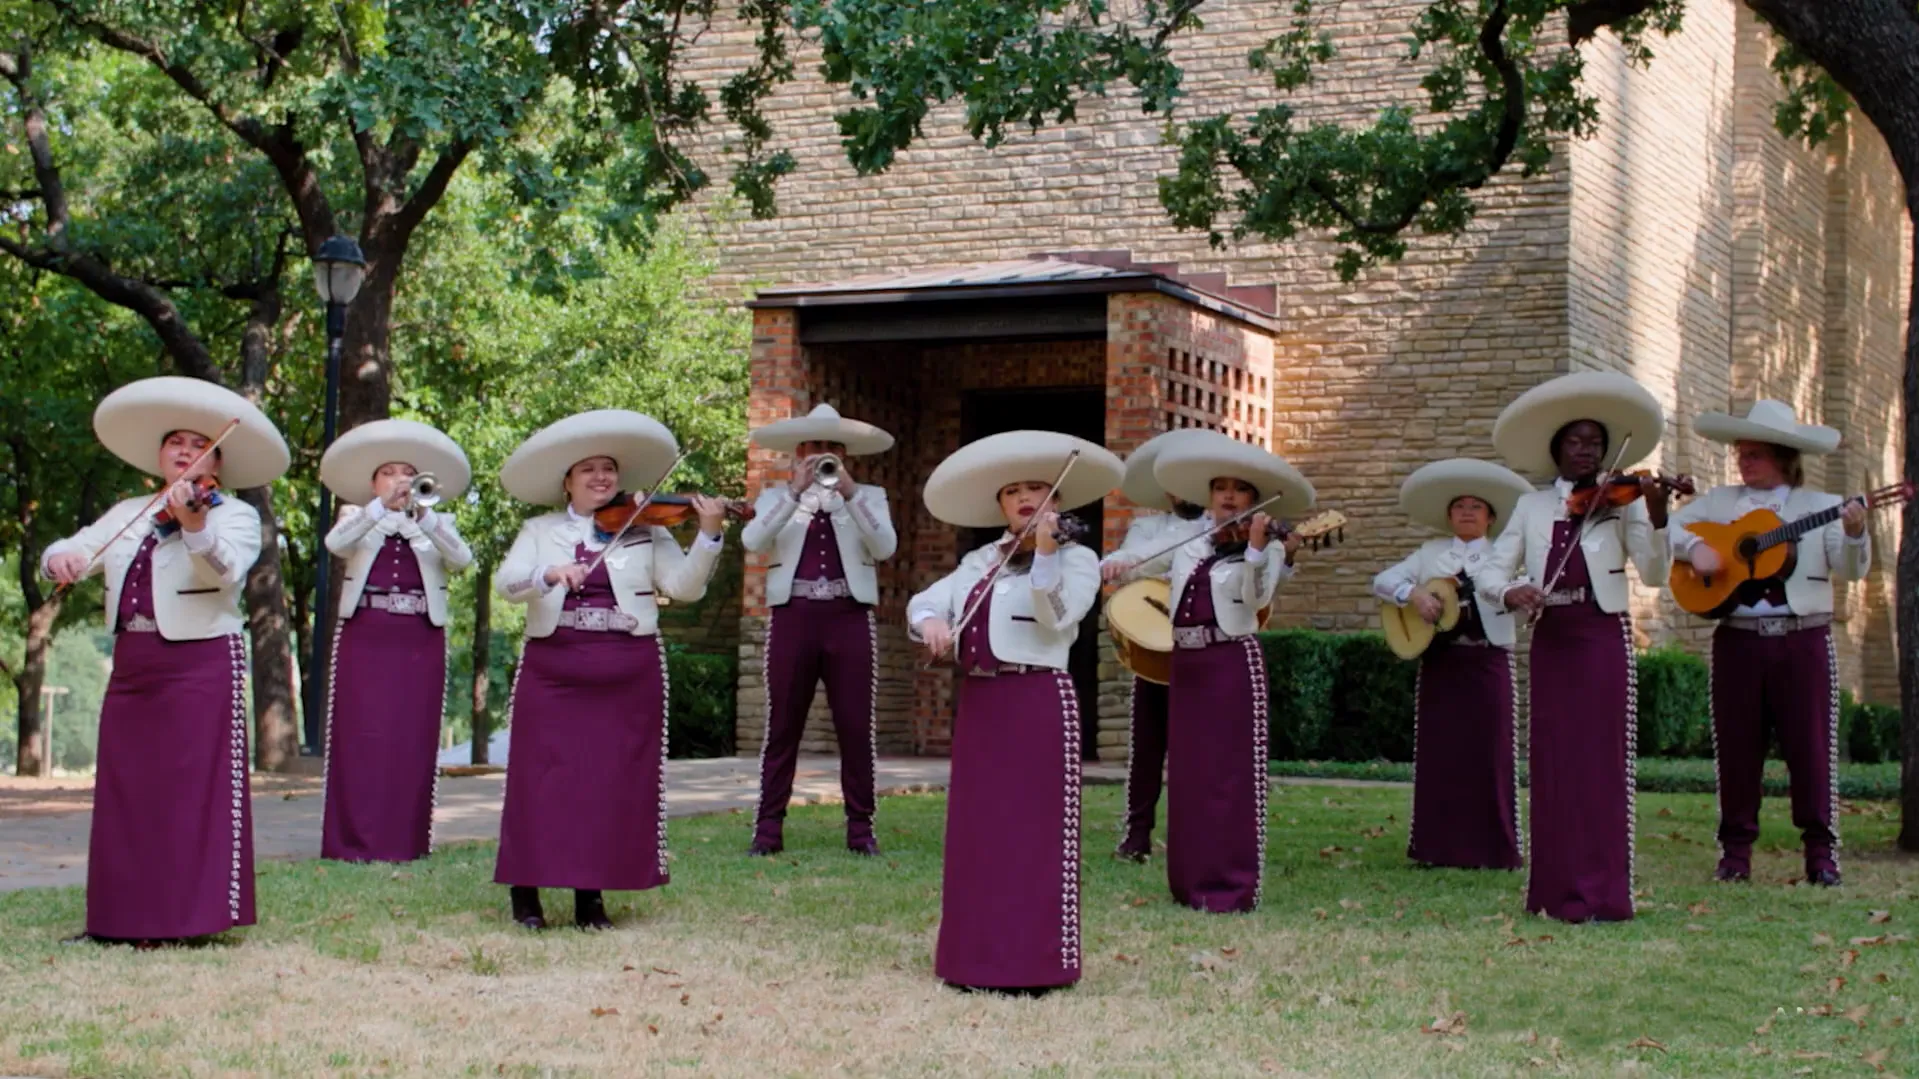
[1465, 794]
[825, 535]
[1778, 638]
[388, 665]
[1008, 616]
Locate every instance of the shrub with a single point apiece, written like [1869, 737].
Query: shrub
[1675, 704]
[703, 693]
[1302, 669]
[1870, 732]
[1372, 702]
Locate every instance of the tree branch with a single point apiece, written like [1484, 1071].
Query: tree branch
[17, 68]
[1871, 49]
[431, 189]
[189, 354]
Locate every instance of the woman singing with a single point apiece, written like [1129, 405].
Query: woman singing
[1009, 907]
[389, 657]
[586, 783]
[170, 855]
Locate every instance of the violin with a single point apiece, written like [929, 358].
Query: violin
[1622, 488]
[662, 511]
[1318, 532]
[206, 494]
[1070, 530]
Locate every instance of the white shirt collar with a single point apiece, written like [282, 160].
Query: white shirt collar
[1563, 485]
[1463, 547]
[1777, 494]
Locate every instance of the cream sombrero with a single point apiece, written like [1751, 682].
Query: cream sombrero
[1428, 494]
[640, 445]
[964, 489]
[349, 464]
[1187, 471]
[135, 419]
[823, 424]
[1139, 485]
[1628, 411]
[1768, 421]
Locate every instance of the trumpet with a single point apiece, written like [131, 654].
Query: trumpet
[422, 492]
[826, 470]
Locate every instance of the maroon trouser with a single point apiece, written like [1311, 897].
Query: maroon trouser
[1785, 685]
[1145, 761]
[807, 641]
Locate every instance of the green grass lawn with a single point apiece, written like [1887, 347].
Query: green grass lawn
[1667, 775]
[818, 962]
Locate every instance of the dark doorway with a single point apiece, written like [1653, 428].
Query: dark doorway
[1073, 410]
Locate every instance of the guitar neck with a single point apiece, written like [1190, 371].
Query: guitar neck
[1792, 530]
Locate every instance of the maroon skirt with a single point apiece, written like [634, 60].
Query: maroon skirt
[1465, 798]
[1584, 697]
[1216, 776]
[586, 775]
[171, 851]
[383, 737]
[1009, 904]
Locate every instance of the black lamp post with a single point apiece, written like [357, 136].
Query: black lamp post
[338, 269]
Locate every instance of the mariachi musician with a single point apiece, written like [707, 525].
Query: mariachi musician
[388, 688]
[1008, 614]
[586, 790]
[1147, 551]
[1563, 557]
[1465, 745]
[170, 852]
[1216, 728]
[1772, 656]
[825, 532]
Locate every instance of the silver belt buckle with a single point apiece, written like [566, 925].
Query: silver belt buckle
[1190, 636]
[1775, 627]
[822, 588]
[592, 618]
[140, 623]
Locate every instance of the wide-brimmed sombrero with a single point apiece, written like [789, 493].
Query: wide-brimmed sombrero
[639, 444]
[135, 419]
[1428, 494]
[964, 489]
[349, 464]
[1628, 411]
[1187, 471]
[1139, 485]
[823, 424]
[1768, 421]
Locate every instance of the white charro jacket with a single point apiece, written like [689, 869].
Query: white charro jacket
[1616, 534]
[862, 525]
[196, 576]
[1027, 624]
[436, 543]
[1825, 556]
[1241, 586]
[646, 560]
[1446, 558]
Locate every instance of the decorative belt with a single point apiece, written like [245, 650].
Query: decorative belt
[599, 620]
[1776, 625]
[821, 589]
[1199, 636]
[1568, 597]
[1471, 642]
[140, 623]
[395, 602]
[1008, 668]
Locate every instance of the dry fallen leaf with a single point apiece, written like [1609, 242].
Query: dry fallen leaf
[685, 998]
[1877, 1058]
[1328, 852]
[1803, 1054]
[1695, 927]
[1229, 952]
[1819, 1010]
[627, 967]
[1351, 904]
[1857, 1015]
[599, 1013]
[1848, 957]
[1822, 940]
[1446, 1026]
[1124, 958]
[1833, 985]
[1643, 1042]
[1665, 812]
[1881, 978]
[1879, 917]
[651, 1029]
[1758, 1050]
[663, 970]
[1701, 907]
[1764, 1028]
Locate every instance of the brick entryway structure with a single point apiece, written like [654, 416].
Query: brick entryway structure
[1086, 342]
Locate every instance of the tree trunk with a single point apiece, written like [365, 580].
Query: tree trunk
[28, 680]
[276, 727]
[482, 661]
[1907, 581]
[365, 383]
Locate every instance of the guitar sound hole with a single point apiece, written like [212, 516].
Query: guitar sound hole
[1748, 548]
[1160, 607]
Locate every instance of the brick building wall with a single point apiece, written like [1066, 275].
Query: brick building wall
[1687, 244]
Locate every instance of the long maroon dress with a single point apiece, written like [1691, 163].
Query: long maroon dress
[586, 779]
[383, 722]
[1215, 763]
[1584, 697]
[170, 854]
[1009, 902]
[1465, 794]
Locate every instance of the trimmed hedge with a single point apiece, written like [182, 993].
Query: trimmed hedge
[703, 690]
[1865, 782]
[1870, 732]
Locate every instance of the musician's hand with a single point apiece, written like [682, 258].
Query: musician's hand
[1658, 499]
[192, 520]
[1525, 597]
[1117, 568]
[572, 575]
[1705, 560]
[847, 482]
[1428, 606]
[712, 513]
[937, 636]
[804, 471]
[1292, 544]
[1854, 515]
[1260, 525]
[66, 568]
[1045, 537]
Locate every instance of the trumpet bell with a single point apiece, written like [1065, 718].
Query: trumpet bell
[827, 471]
[423, 491]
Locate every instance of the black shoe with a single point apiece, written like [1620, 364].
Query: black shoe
[764, 848]
[589, 911]
[1029, 991]
[1731, 872]
[1824, 878]
[867, 847]
[1129, 853]
[526, 908]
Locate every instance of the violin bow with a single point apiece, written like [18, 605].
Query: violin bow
[973, 608]
[232, 425]
[637, 510]
[1210, 529]
[1585, 527]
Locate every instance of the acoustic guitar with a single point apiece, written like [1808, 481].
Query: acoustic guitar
[1409, 635]
[1139, 614]
[1758, 547]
